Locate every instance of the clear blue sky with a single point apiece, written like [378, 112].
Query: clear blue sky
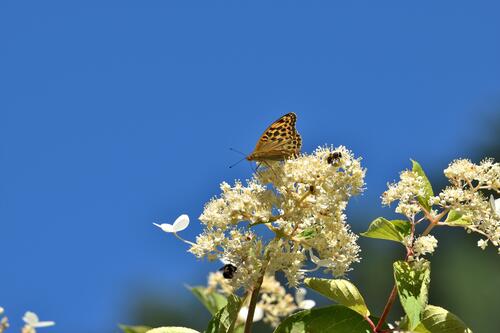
[117, 114]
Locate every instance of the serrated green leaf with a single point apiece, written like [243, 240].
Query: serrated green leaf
[224, 320]
[341, 291]
[412, 281]
[212, 300]
[438, 320]
[336, 318]
[172, 329]
[134, 329]
[424, 201]
[381, 228]
[456, 218]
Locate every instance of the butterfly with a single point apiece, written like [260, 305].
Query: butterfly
[279, 141]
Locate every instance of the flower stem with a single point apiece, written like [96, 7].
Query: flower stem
[182, 239]
[429, 228]
[387, 308]
[372, 325]
[253, 304]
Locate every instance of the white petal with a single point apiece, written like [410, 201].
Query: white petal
[300, 295]
[165, 227]
[257, 315]
[44, 324]
[307, 304]
[181, 223]
[30, 318]
[497, 206]
[242, 315]
[482, 243]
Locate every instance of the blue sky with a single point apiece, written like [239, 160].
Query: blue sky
[118, 114]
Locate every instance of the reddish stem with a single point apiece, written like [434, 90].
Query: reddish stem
[387, 308]
[372, 325]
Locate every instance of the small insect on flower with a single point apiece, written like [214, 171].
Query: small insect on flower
[228, 271]
[334, 157]
[279, 141]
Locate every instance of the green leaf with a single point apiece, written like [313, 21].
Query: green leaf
[412, 281]
[240, 328]
[212, 300]
[224, 320]
[424, 201]
[134, 329]
[172, 329]
[307, 233]
[381, 228]
[341, 291]
[438, 320]
[336, 318]
[455, 218]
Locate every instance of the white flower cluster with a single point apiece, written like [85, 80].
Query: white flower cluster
[406, 191]
[484, 175]
[464, 199]
[465, 196]
[424, 245]
[274, 302]
[31, 322]
[302, 201]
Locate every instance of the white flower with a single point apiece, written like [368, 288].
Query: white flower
[482, 243]
[406, 191]
[257, 315]
[180, 224]
[424, 245]
[31, 319]
[495, 205]
[303, 303]
[318, 262]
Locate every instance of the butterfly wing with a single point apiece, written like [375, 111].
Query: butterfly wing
[279, 140]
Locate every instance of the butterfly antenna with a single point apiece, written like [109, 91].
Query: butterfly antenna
[237, 151]
[237, 162]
